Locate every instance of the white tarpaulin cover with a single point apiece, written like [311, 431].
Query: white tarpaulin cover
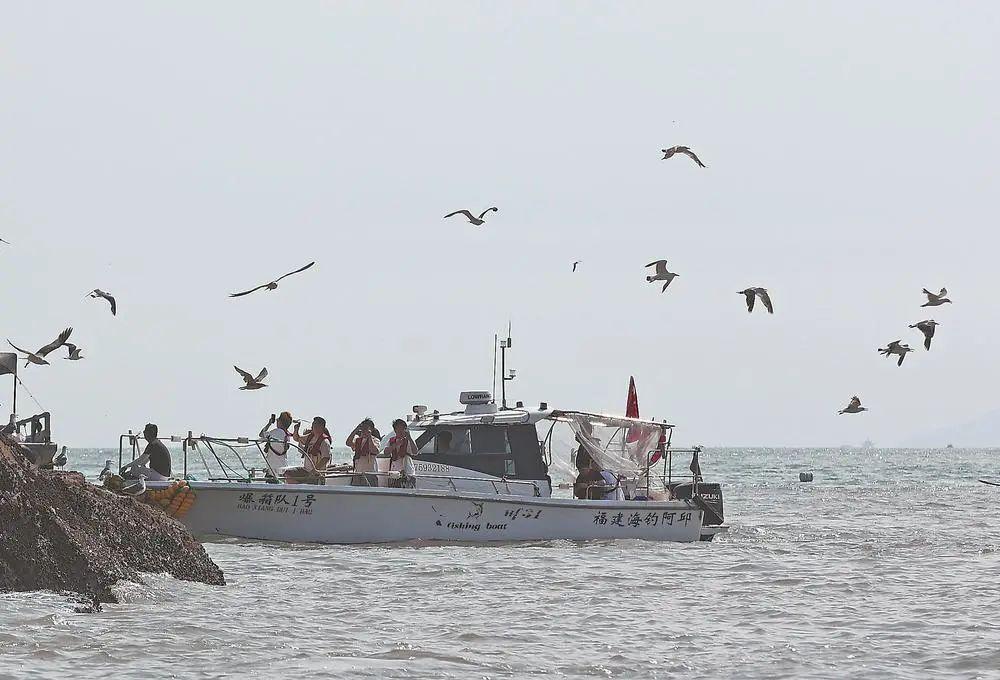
[617, 444]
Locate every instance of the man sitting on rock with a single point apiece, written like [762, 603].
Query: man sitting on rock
[154, 463]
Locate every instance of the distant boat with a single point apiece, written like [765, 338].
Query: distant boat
[950, 446]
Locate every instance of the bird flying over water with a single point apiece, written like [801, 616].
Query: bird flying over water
[477, 221]
[752, 294]
[935, 299]
[576, 263]
[98, 293]
[854, 407]
[895, 348]
[667, 153]
[661, 274]
[38, 357]
[252, 383]
[927, 328]
[273, 284]
[73, 351]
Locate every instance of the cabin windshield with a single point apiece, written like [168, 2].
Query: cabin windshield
[502, 450]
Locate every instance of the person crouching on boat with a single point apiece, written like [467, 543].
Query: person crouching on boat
[364, 442]
[154, 463]
[402, 448]
[276, 448]
[315, 443]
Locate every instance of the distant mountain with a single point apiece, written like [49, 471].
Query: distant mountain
[983, 432]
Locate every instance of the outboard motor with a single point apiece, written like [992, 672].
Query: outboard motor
[710, 495]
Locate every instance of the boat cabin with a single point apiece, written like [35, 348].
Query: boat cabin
[483, 439]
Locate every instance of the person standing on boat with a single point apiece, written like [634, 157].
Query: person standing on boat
[154, 463]
[364, 442]
[276, 449]
[401, 450]
[315, 443]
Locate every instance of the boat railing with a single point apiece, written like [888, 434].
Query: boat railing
[229, 472]
[191, 444]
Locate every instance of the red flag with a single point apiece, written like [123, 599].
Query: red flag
[632, 411]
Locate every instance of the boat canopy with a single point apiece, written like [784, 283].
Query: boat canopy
[623, 445]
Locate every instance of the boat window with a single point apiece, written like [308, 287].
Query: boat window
[488, 439]
[453, 441]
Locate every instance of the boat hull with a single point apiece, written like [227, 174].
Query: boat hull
[322, 514]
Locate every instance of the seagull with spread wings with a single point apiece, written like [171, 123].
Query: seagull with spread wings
[936, 299]
[667, 153]
[854, 407]
[38, 357]
[927, 328]
[75, 353]
[98, 293]
[477, 221]
[895, 348]
[752, 294]
[252, 383]
[661, 274]
[273, 284]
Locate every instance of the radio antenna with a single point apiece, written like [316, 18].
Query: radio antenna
[495, 339]
[505, 375]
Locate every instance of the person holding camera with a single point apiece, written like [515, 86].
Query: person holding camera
[364, 441]
[315, 445]
[276, 448]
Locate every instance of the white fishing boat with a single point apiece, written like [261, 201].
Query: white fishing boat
[492, 484]
[481, 474]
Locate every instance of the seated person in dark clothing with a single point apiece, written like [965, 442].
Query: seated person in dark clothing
[154, 463]
[591, 482]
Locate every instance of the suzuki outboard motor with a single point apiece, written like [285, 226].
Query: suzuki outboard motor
[711, 496]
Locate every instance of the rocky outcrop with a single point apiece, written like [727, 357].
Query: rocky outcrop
[60, 533]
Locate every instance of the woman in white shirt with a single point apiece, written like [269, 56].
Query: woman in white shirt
[276, 450]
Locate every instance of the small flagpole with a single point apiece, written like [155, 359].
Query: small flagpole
[14, 407]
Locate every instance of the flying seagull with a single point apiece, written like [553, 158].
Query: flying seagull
[273, 284]
[661, 274]
[752, 294]
[935, 299]
[75, 353]
[927, 328]
[98, 293]
[667, 153]
[854, 407]
[252, 383]
[895, 348]
[39, 356]
[576, 263]
[478, 221]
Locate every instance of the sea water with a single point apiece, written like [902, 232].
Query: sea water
[886, 566]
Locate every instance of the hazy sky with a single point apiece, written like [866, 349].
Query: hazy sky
[174, 152]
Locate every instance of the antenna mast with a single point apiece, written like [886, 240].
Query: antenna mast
[505, 375]
[495, 337]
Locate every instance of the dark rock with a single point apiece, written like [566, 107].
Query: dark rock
[59, 533]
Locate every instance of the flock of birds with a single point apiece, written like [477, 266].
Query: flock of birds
[75, 353]
[927, 327]
[660, 273]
